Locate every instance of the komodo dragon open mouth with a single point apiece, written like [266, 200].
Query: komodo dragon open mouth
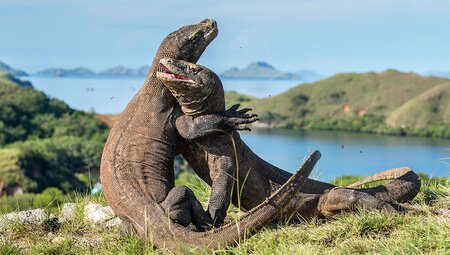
[169, 74]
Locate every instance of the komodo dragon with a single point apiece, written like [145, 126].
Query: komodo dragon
[201, 92]
[137, 162]
[196, 99]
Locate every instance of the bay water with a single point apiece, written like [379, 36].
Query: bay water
[343, 153]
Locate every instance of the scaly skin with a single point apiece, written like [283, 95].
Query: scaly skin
[202, 93]
[195, 98]
[137, 162]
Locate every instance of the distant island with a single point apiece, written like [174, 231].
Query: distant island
[259, 70]
[61, 72]
[309, 76]
[255, 70]
[118, 71]
[4, 68]
[124, 71]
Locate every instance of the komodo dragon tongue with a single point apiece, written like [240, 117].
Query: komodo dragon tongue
[164, 233]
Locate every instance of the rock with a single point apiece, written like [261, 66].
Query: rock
[88, 242]
[30, 217]
[113, 222]
[51, 224]
[443, 213]
[68, 212]
[97, 213]
[58, 240]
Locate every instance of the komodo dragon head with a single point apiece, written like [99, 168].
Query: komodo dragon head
[188, 42]
[197, 89]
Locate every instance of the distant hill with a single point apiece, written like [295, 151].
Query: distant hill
[439, 74]
[124, 71]
[4, 68]
[61, 72]
[390, 102]
[259, 70]
[309, 76]
[118, 71]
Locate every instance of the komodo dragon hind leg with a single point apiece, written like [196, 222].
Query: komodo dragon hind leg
[126, 228]
[343, 199]
[404, 186]
[390, 174]
[182, 207]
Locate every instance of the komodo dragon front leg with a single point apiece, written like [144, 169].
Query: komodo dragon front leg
[221, 156]
[209, 128]
[200, 92]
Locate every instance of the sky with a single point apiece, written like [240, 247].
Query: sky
[326, 36]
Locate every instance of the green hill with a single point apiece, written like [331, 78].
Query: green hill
[43, 142]
[428, 108]
[390, 102]
[9, 78]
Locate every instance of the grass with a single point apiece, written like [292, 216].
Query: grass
[421, 232]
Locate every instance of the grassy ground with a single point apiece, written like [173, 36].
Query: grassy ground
[426, 231]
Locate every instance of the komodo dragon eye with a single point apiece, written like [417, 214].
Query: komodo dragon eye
[194, 70]
[196, 37]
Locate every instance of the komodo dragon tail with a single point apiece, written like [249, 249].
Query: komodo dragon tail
[405, 185]
[151, 222]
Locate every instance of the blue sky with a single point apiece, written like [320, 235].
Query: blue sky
[327, 36]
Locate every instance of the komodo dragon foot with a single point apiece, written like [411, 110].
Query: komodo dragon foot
[381, 197]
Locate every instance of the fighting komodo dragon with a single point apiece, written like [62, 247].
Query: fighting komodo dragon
[137, 162]
[196, 98]
[200, 91]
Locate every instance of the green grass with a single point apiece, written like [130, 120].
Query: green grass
[419, 232]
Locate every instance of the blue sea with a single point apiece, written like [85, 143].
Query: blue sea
[343, 153]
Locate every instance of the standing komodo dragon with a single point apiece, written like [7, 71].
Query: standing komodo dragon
[201, 92]
[137, 162]
[199, 97]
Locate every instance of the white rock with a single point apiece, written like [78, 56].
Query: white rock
[68, 212]
[444, 213]
[30, 217]
[58, 239]
[113, 222]
[97, 213]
